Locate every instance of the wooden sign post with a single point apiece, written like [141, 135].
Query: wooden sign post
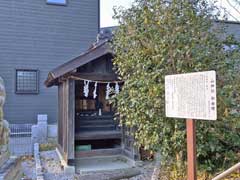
[191, 149]
[191, 96]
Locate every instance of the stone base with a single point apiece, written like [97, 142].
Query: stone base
[67, 169]
[11, 169]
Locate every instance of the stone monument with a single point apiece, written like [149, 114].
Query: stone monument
[4, 130]
[9, 166]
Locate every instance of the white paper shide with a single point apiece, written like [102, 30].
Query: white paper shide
[191, 95]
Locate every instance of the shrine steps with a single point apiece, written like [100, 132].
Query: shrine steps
[95, 123]
[98, 135]
[102, 127]
[98, 152]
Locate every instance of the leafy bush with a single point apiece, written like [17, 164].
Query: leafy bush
[155, 39]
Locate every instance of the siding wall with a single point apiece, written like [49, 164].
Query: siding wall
[40, 36]
[231, 28]
[234, 29]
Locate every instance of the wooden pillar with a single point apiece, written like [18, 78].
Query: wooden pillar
[71, 119]
[60, 115]
[191, 150]
[66, 119]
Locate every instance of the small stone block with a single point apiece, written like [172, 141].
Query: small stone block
[40, 178]
[52, 131]
[42, 117]
[69, 169]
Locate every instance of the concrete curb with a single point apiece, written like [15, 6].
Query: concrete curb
[39, 170]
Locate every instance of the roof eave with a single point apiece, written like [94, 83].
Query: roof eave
[100, 50]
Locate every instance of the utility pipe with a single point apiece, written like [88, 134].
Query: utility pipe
[227, 172]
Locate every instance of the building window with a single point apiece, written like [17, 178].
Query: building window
[26, 81]
[57, 2]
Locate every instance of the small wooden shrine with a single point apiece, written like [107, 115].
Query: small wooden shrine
[86, 121]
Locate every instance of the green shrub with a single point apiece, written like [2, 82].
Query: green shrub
[157, 39]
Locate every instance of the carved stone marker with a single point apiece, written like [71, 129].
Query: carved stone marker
[10, 167]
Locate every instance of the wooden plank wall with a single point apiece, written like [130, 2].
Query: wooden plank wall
[129, 149]
[66, 111]
[62, 109]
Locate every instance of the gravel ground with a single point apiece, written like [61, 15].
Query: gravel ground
[28, 167]
[54, 171]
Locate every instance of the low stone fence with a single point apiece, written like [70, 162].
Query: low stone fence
[20, 141]
[24, 136]
[20, 138]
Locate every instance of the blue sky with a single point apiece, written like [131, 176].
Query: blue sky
[107, 5]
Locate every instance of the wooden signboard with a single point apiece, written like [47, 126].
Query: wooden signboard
[191, 96]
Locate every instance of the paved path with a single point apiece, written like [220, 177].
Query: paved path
[54, 171]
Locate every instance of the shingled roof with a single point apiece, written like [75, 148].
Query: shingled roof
[98, 49]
